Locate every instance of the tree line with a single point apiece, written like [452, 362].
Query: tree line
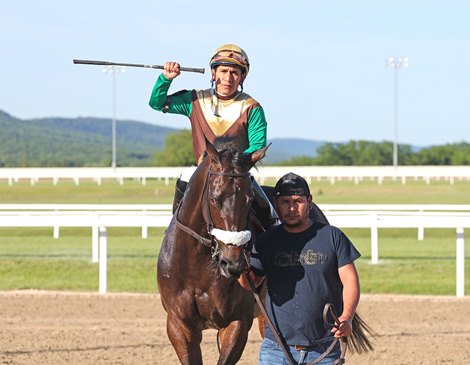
[366, 153]
[178, 152]
[45, 148]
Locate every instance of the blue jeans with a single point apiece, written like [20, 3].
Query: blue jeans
[272, 354]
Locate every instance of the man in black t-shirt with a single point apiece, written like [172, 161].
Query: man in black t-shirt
[307, 264]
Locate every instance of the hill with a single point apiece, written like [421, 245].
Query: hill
[283, 149]
[77, 142]
[86, 141]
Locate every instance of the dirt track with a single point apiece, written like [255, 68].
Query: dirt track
[63, 328]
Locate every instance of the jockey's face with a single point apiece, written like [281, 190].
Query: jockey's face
[227, 79]
[293, 211]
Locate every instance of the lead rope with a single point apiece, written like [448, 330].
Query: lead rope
[329, 309]
[250, 276]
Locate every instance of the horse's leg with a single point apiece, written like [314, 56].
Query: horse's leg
[232, 341]
[186, 341]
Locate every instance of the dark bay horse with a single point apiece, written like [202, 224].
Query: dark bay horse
[202, 256]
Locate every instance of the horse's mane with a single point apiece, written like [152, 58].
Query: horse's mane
[227, 148]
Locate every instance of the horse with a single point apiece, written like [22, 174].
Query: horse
[203, 254]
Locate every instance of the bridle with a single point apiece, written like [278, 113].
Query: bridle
[212, 241]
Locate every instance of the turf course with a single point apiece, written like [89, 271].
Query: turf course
[30, 258]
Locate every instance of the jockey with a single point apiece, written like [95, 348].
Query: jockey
[222, 110]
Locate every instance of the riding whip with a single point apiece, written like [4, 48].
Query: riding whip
[107, 63]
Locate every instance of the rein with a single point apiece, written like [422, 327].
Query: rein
[205, 241]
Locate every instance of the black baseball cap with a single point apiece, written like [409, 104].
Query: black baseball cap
[291, 184]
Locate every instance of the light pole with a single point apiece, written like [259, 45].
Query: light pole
[113, 70]
[396, 63]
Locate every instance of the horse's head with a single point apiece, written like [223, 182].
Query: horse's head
[227, 201]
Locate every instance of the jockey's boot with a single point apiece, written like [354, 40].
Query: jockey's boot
[264, 210]
[179, 193]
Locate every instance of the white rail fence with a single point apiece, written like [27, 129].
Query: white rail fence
[262, 173]
[101, 217]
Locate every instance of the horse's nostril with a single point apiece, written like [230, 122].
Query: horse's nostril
[223, 263]
[235, 271]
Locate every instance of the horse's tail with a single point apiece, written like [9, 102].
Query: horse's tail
[359, 340]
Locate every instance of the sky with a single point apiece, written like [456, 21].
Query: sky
[317, 67]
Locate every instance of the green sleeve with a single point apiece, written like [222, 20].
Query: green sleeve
[257, 130]
[180, 103]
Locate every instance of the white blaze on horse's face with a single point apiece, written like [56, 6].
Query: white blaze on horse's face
[232, 238]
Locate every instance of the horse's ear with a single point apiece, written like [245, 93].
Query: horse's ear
[258, 155]
[211, 151]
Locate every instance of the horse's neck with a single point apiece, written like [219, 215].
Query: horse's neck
[191, 206]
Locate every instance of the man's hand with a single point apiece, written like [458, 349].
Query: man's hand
[171, 70]
[344, 329]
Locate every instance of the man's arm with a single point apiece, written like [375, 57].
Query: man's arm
[351, 293]
[159, 99]
[179, 103]
[160, 92]
[257, 130]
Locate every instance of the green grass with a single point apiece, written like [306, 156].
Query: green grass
[156, 192]
[32, 258]
[407, 265]
[87, 192]
[391, 192]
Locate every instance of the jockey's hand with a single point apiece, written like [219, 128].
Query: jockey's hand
[344, 329]
[171, 70]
